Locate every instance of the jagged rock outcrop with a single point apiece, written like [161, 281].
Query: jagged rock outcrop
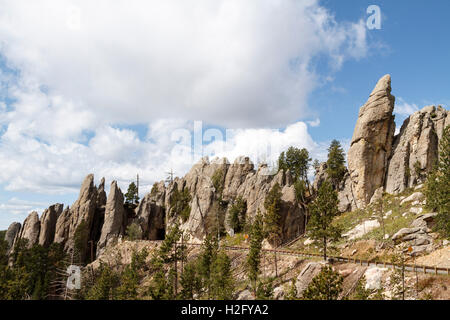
[151, 213]
[62, 227]
[113, 225]
[30, 229]
[48, 224]
[372, 142]
[101, 194]
[345, 190]
[417, 235]
[415, 149]
[11, 233]
[82, 212]
[213, 185]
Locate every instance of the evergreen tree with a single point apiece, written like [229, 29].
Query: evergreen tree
[316, 164]
[438, 187]
[292, 292]
[336, 163]
[254, 254]
[236, 217]
[207, 257]
[272, 218]
[361, 293]
[81, 237]
[327, 285]
[106, 282]
[163, 282]
[179, 204]
[190, 281]
[323, 210]
[264, 290]
[297, 162]
[132, 197]
[131, 277]
[134, 232]
[222, 284]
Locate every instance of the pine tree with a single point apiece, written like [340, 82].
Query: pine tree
[438, 187]
[133, 232]
[190, 281]
[297, 162]
[327, 285]
[222, 284]
[292, 292]
[272, 218]
[207, 257]
[163, 283]
[336, 163]
[361, 293]
[254, 254]
[179, 204]
[105, 284]
[323, 210]
[132, 197]
[264, 290]
[236, 217]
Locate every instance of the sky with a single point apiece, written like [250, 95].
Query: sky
[119, 88]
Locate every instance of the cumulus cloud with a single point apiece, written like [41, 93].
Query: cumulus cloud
[404, 108]
[230, 62]
[76, 76]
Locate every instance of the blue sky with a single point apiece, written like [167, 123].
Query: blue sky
[81, 93]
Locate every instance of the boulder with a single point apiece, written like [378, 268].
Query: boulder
[48, 224]
[362, 229]
[374, 276]
[371, 143]
[416, 196]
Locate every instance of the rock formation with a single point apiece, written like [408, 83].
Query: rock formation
[415, 148]
[11, 233]
[48, 224]
[62, 227]
[372, 142]
[377, 161]
[30, 229]
[113, 225]
[151, 213]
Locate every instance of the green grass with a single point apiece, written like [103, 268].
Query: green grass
[392, 224]
[236, 240]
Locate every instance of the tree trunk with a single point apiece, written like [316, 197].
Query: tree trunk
[325, 248]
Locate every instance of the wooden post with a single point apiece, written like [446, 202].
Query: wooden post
[176, 271]
[435, 270]
[276, 267]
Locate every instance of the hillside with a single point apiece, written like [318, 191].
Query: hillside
[386, 173]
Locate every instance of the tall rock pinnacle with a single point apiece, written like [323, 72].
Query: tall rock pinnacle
[372, 142]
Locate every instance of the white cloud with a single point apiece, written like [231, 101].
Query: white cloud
[405, 109]
[314, 123]
[230, 62]
[21, 207]
[72, 80]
